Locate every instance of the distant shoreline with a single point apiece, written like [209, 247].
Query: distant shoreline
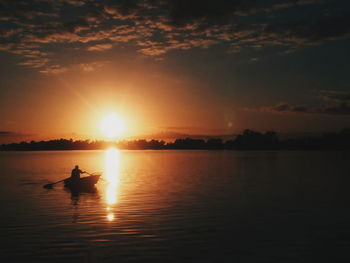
[213, 150]
[248, 140]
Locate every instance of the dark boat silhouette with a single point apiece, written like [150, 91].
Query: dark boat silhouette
[82, 184]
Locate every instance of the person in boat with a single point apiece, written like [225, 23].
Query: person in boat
[76, 172]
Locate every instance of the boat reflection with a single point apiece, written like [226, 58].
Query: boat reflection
[75, 194]
[112, 177]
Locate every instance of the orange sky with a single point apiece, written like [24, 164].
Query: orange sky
[148, 102]
[72, 104]
[172, 67]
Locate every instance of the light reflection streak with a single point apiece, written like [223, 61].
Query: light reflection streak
[112, 176]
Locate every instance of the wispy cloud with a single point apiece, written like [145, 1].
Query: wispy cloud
[92, 66]
[12, 136]
[336, 103]
[100, 47]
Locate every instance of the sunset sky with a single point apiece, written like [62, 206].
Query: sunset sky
[173, 67]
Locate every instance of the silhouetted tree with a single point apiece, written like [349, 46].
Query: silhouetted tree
[214, 144]
[249, 140]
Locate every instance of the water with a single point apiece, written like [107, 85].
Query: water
[177, 206]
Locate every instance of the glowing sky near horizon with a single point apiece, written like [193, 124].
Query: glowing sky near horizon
[172, 67]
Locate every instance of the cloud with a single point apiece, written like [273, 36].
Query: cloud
[335, 95]
[92, 66]
[284, 107]
[310, 2]
[337, 103]
[299, 109]
[74, 2]
[6, 47]
[125, 9]
[100, 47]
[53, 69]
[7, 133]
[308, 32]
[156, 27]
[6, 33]
[283, 5]
[207, 13]
[14, 11]
[12, 136]
[338, 109]
[34, 63]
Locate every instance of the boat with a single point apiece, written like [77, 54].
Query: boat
[82, 184]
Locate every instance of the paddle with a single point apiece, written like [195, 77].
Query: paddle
[50, 185]
[95, 173]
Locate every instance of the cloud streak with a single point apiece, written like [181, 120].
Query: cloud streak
[337, 103]
[100, 47]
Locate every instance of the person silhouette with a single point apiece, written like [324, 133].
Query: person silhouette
[76, 173]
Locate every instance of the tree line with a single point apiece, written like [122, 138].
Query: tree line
[248, 140]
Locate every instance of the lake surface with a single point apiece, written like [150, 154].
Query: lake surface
[177, 206]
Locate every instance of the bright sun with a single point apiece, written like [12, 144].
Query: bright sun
[112, 126]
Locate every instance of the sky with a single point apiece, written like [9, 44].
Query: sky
[173, 67]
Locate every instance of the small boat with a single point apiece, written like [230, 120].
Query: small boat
[83, 184]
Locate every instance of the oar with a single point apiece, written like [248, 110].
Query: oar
[50, 185]
[93, 174]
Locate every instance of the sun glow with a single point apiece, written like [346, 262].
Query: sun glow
[112, 126]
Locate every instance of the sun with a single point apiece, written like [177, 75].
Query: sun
[112, 126]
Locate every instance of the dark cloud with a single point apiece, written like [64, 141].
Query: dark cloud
[11, 136]
[24, 10]
[310, 2]
[335, 95]
[6, 33]
[74, 2]
[338, 109]
[280, 107]
[6, 133]
[337, 103]
[299, 109]
[309, 32]
[156, 27]
[123, 9]
[206, 12]
[285, 107]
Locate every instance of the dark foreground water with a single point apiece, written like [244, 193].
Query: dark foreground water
[177, 206]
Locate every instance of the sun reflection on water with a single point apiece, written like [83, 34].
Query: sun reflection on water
[112, 177]
[110, 217]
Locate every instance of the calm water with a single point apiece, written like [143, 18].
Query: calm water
[177, 206]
